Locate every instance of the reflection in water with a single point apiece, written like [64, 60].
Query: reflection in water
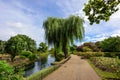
[38, 65]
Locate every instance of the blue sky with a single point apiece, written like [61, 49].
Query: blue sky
[26, 17]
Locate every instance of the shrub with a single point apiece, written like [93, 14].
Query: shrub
[29, 55]
[59, 57]
[32, 57]
[86, 49]
[107, 64]
[7, 72]
[26, 53]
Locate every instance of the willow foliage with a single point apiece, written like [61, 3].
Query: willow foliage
[62, 32]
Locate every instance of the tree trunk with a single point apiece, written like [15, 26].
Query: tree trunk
[55, 54]
[12, 58]
[65, 50]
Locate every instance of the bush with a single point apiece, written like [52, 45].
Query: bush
[32, 57]
[59, 57]
[86, 49]
[29, 55]
[7, 72]
[26, 53]
[107, 64]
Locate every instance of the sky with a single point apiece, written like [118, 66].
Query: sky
[27, 17]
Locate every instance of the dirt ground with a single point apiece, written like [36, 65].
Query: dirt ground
[74, 69]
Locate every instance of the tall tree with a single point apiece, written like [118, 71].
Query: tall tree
[98, 10]
[2, 46]
[18, 43]
[112, 44]
[51, 26]
[62, 32]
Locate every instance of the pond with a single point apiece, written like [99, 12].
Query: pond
[38, 65]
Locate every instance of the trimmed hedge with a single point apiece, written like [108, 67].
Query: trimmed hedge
[87, 55]
[112, 54]
[43, 73]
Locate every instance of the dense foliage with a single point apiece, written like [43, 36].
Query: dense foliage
[29, 55]
[7, 72]
[2, 46]
[60, 56]
[107, 64]
[112, 44]
[62, 32]
[89, 47]
[43, 47]
[18, 43]
[73, 48]
[98, 10]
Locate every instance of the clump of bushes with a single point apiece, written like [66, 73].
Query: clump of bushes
[86, 49]
[7, 72]
[59, 56]
[106, 64]
[87, 55]
[29, 55]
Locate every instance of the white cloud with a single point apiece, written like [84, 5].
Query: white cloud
[69, 7]
[18, 18]
[13, 21]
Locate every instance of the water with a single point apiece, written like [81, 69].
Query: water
[38, 66]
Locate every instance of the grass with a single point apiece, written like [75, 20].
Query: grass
[103, 74]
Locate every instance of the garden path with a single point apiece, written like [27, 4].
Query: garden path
[74, 69]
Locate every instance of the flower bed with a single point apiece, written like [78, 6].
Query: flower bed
[106, 64]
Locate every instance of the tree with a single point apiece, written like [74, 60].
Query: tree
[98, 10]
[43, 47]
[2, 46]
[111, 44]
[18, 43]
[62, 32]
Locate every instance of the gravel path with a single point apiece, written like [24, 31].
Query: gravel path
[74, 69]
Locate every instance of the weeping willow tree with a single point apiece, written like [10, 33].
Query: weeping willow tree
[63, 32]
[51, 26]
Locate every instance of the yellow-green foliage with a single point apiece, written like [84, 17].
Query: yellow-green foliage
[107, 64]
[89, 54]
[41, 74]
[103, 74]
